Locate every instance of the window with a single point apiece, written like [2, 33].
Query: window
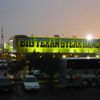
[83, 63]
[30, 80]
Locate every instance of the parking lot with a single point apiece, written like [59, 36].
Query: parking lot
[73, 93]
[48, 93]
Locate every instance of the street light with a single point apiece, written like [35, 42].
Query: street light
[89, 37]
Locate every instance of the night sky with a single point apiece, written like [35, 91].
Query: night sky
[48, 17]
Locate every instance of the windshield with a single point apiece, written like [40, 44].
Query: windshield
[30, 80]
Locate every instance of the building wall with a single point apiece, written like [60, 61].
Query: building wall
[25, 44]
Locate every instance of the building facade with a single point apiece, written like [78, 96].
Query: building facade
[26, 44]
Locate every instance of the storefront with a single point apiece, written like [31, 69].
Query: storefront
[25, 44]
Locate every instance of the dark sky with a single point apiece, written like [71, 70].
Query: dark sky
[48, 17]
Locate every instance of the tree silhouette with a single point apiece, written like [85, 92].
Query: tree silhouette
[46, 64]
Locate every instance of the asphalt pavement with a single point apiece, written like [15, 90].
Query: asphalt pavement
[47, 93]
[73, 93]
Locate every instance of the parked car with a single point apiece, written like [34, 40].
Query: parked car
[35, 72]
[30, 83]
[5, 84]
[3, 64]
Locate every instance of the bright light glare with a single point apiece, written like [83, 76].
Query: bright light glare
[63, 56]
[97, 56]
[89, 37]
[88, 57]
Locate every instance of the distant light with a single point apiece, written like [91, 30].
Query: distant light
[10, 40]
[40, 56]
[53, 56]
[76, 55]
[63, 56]
[88, 57]
[89, 37]
[97, 56]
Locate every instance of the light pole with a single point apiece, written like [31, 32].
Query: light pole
[88, 39]
[2, 42]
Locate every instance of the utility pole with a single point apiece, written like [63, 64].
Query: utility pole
[2, 41]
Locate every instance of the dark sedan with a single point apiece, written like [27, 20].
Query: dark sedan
[5, 84]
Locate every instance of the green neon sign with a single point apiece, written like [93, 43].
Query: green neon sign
[57, 45]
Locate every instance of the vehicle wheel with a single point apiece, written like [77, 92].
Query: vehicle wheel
[85, 83]
[94, 83]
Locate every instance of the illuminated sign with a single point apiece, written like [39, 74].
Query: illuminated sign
[62, 44]
[57, 44]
